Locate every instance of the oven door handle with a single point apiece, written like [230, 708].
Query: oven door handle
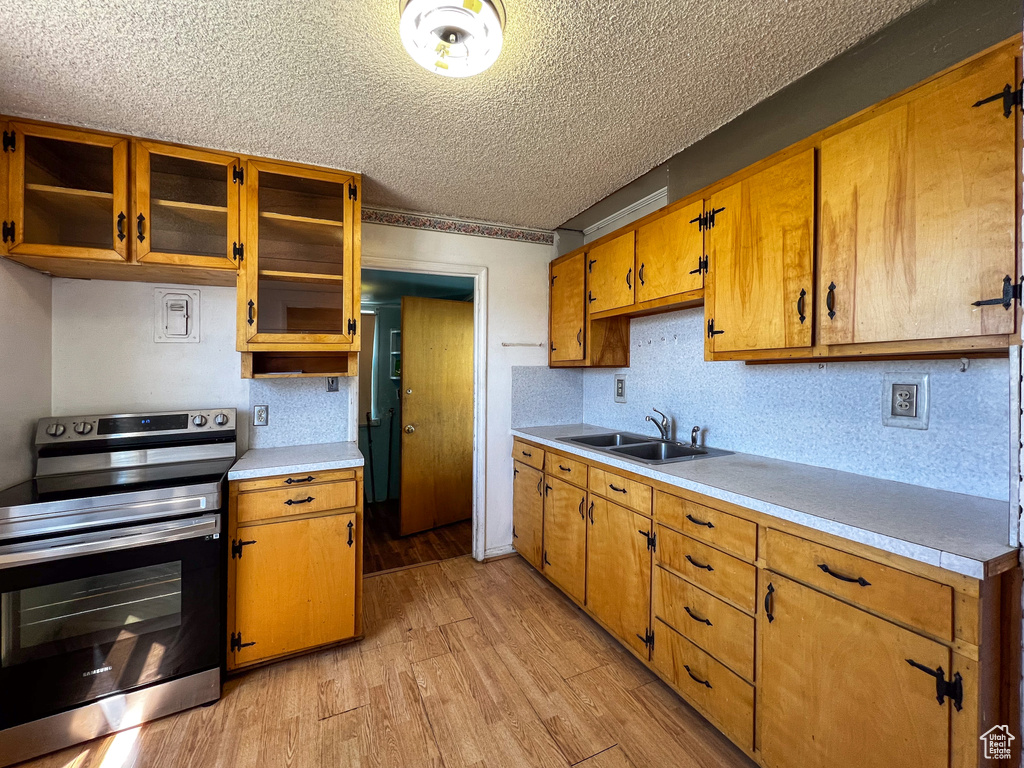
[61, 548]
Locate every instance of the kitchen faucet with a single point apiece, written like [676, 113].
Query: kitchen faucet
[664, 426]
[693, 437]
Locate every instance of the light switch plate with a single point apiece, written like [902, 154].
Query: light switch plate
[260, 415]
[620, 389]
[905, 400]
[332, 383]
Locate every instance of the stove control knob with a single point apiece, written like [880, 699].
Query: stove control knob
[220, 419]
[199, 421]
[83, 428]
[55, 430]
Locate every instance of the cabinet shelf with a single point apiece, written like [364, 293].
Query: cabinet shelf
[176, 210]
[48, 190]
[302, 277]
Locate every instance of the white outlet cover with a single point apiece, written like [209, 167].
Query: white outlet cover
[920, 421]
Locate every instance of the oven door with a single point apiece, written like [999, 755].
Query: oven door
[88, 615]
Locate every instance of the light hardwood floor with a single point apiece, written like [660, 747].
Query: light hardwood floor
[463, 664]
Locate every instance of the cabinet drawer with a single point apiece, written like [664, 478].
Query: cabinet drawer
[913, 600]
[717, 572]
[719, 529]
[723, 631]
[297, 480]
[528, 454]
[724, 697]
[571, 470]
[284, 502]
[617, 488]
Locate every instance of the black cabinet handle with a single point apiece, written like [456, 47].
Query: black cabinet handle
[564, 468]
[583, 515]
[540, 486]
[848, 579]
[705, 683]
[591, 513]
[617, 490]
[800, 306]
[830, 300]
[140, 225]
[640, 274]
[695, 617]
[252, 312]
[120, 226]
[527, 454]
[629, 279]
[306, 500]
[579, 337]
[768, 601]
[695, 564]
[695, 521]
[351, 540]
[292, 480]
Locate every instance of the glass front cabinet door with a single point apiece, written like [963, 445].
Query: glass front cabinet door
[186, 206]
[68, 193]
[301, 271]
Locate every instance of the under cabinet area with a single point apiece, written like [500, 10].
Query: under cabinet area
[785, 638]
[294, 564]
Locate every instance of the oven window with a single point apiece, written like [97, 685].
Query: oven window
[54, 619]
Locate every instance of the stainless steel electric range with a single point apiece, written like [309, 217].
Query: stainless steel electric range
[111, 576]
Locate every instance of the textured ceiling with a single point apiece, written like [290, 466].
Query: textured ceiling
[586, 96]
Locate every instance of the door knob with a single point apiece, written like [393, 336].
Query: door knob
[409, 429]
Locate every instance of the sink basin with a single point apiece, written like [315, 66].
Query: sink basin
[609, 440]
[659, 452]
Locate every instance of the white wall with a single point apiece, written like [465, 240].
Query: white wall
[517, 312]
[24, 366]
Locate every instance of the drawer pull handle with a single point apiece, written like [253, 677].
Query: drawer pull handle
[350, 527]
[583, 515]
[849, 580]
[768, 603]
[617, 490]
[527, 454]
[695, 617]
[591, 513]
[292, 480]
[695, 521]
[698, 565]
[705, 683]
[565, 469]
[830, 301]
[306, 500]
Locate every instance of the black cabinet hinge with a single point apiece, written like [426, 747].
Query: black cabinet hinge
[353, 192]
[238, 251]
[352, 327]
[648, 639]
[8, 231]
[553, 279]
[702, 266]
[236, 547]
[590, 265]
[237, 174]
[711, 329]
[1011, 293]
[652, 539]
[514, 534]
[1010, 98]
[706, 220]
[9, 140]
[237, 644]
[951, 689]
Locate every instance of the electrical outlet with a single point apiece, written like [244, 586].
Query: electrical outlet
[905, 400]
[332, 383]
[260, 416]
[620, 389]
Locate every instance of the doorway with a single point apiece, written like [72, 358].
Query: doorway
[416, 417]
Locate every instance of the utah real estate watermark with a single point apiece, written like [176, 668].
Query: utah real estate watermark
[997, 742]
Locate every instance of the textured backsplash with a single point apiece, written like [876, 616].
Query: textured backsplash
[301, 412]
[826, 416]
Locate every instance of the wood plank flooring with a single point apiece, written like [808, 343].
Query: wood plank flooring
[385, 550]
[463, 664]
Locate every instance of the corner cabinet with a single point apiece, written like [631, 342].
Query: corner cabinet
[298, 291]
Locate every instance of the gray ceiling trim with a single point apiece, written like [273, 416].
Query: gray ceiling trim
[456, 226]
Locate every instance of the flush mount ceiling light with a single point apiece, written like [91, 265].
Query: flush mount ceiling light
[456, 38]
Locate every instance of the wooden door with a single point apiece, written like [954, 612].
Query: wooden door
[917, 215]
[761, 260]
[836, 687]
[68, 193]
[568, 310]
[619, 571]
[302, 277]
[610, 274]
[565, 536]
[528, 513]
[295, 585]
[437, 413]
[669, 254]
[186, 206]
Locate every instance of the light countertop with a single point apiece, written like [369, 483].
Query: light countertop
[267, 462]
[960, 533]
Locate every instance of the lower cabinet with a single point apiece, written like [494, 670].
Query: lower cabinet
[619, 543]
[565, 536]
[839, 686]
[528, 513]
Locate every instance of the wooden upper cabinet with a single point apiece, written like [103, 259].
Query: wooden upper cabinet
[186, 206]
[918, 215]
[568, 310]
[565, 536]
[670, 254]
[68, 193]
[610, 273]
[7, 231]
[761, 260]
[619, 571]
[528, 512]
[301, 281]
[832, 674]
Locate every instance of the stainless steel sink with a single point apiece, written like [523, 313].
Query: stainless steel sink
[659, 451]
[643, 449]
[609, 440]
